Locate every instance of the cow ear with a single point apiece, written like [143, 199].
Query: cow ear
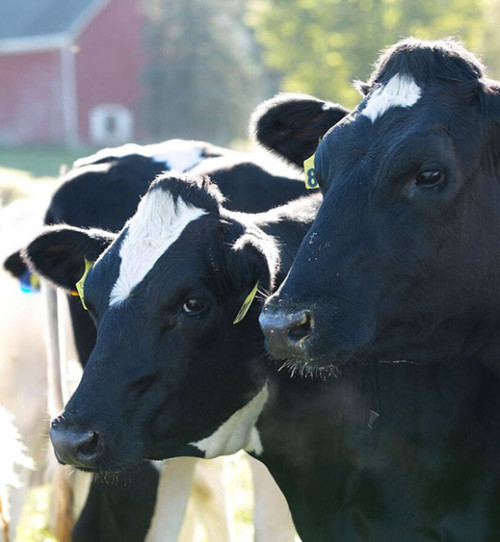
[291, 125]
[59, 253]
[362, 87]
[15, 265]
[257, 259]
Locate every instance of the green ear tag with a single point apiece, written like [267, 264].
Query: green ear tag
[246, 305]
[79, 285]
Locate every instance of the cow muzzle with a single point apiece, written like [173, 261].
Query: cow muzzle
[72, 446]
[287, 334]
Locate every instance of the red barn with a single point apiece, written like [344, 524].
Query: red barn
[70, 71]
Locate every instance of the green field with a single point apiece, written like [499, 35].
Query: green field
[39, 161]
[237, 481]
[25, 171]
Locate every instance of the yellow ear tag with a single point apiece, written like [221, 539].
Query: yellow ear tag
[246, 305]
[35, 281]
[310, 179]
[79, 285]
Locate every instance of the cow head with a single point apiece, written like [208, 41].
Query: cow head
[170, 373]
[402, 261]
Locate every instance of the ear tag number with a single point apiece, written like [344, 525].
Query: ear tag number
[80, 284]
[309, 172]
[246, 305]
[310, 179]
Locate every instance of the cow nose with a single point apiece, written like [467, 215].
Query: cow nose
[73, 447]
[286, 334]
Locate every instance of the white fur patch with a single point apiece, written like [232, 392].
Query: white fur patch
[157, 224]
[176, 154]
[238, 432]
[400, 91]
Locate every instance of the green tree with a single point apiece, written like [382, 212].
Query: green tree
[490, 44]
[321, 46]
[202, 77]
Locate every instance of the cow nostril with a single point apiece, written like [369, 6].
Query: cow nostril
[88, 444]
[73, 447]
[301, 329]
[287, 334]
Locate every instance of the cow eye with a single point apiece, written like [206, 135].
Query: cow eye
[193, 305]
[430, 178]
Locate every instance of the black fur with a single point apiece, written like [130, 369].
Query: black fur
[292, 125]
[103, 191]
[378, 452]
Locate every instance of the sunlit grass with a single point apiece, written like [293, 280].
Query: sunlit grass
[30, 171]
[33, 526]
[16, 183]
[238, 478]
[39, 161]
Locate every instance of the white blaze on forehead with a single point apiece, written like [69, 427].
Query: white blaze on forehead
[159, 222]
[238, 432]
[400, 91]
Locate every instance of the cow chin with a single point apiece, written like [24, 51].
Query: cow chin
[172, 449]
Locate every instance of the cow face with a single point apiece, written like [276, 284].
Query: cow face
[170, 373]
[402, 261]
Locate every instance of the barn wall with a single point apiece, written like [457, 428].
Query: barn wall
[30, 101]
[109, 61]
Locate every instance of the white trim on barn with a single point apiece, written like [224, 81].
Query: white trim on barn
[69, 97]
[34, 44]
[86, 18]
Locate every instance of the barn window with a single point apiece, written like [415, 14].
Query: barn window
[111, 124]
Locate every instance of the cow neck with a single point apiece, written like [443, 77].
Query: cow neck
[314, 434]
[306, 407]
[337, 466]
[482, 343]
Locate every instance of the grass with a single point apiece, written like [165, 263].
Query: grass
[28, 171]
[33, 526]
[38, 162]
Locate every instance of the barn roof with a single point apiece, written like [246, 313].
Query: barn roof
[29, 25]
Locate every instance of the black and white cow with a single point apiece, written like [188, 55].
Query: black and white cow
[24, 389]
[168, 215]
[103, 190]
[402, 261]
[383, 452]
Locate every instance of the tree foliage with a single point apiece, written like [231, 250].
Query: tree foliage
[202, 78]
[321, 46]
[490, 44]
